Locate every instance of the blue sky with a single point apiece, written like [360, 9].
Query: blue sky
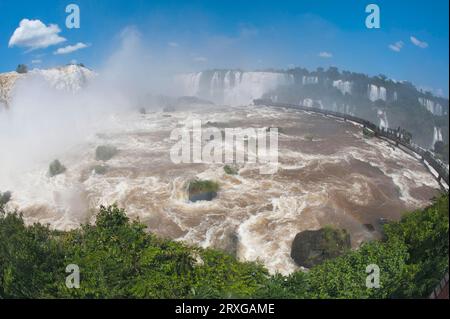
[246, 34]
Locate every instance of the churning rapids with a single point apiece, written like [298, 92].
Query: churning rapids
[328, 174]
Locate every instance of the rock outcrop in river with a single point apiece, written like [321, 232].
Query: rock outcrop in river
[312, 247]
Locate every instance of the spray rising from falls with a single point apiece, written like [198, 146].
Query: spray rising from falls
[46, 113]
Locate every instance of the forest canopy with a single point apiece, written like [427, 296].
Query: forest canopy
[118, 258]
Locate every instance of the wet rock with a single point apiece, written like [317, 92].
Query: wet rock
[230, 242]
[100, 169]
[105, 152]
[369, 227]
[4, 198]
[56, 168]
[231, 170]
[312, 247]
[208, 196]
[202, 190]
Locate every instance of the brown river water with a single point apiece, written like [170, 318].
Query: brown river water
[328, 174]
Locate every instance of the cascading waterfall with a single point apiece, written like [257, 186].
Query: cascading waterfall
[343, 86]
[437, 135]
[431, 106]
[189, 83]
[310, 80]
[232, 87]
[383, 119]
[376, 92]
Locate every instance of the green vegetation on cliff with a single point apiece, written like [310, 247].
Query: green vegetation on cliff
[117, 258]
[200, 186]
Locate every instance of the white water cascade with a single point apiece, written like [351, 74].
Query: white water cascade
[431, 106]
[437, 135]
[376, 92]
[384, 123]
[231, 87]
[343, 86]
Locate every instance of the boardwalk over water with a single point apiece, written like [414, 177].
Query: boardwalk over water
[401, 138]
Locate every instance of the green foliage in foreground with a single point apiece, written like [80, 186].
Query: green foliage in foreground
[119, 259]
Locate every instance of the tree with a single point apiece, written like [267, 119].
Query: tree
[22, 68]
[439, 147]
[333, 73]
[119, 259]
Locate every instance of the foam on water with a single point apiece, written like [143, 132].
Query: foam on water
[254, 216]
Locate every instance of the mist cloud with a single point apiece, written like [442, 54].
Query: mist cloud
[44, 123]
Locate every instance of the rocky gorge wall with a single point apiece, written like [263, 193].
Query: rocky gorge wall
[388, 103]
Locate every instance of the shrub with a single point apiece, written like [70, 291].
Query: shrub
[22, 68]
[368, 133]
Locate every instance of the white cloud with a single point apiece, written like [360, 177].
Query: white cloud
[200, 59]
[34, 34]
[325, 55]
[37, 61]
[71, 48]
[397, 46]
[173, 44]
[417, 42]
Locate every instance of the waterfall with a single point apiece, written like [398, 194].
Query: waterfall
[189, 84]
[431, 106]
[437, 135]
[307, 102]
[310, 80]
[383, 119]
[376, 92]
[232, 87]
[343, 86]
[215, 84]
